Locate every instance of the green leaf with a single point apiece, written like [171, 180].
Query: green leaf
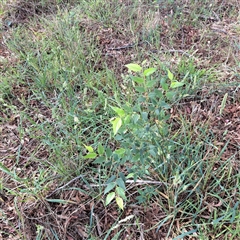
[62, 201]
[137, 79]
[89, 148]
[109, 187]
[140, 89]
[153, 153]
[111, 179]
[120, 183]
[144, 116]
[12, 174]
[110, 197]
[176, 84]
[90, 155]
[158, 93]
[100, 149]
[120, 192]
[119, 202]
[134, 67]
[170, 75]
[119, 111]
[6, 170]
[150, 84]
[223, 104]
[118, 137]
[120, 151]
[117, 123]
[165, 86]
[108, 152]
[152, 95]
[136, 117]
[100, 160]
[163, 104]
[149, 71]
[130, 175]
[170, 95]
[127, 119]
[122, 176]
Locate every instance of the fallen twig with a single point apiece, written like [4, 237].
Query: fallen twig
[137, 182]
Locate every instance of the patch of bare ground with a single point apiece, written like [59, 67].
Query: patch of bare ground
[23, 11]
[7, 58]
[83, 216]
[221, 118]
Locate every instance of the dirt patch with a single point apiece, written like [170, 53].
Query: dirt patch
[221, 118]
[72, 220]
[22, 11]
[7, 58]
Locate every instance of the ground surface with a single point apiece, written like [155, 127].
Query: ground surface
[46, 192]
